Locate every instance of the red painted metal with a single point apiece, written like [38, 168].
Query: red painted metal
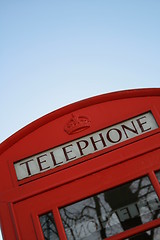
[21, 202]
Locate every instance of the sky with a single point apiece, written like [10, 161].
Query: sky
[57, 52]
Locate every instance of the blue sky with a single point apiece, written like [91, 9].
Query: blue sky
[56, 52]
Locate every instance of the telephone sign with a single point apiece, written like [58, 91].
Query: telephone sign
[84, 146]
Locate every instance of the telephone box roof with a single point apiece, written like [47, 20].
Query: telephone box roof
[132, 93]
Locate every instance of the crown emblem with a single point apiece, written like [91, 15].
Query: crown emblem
[77, 124]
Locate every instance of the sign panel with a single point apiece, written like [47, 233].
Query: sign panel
[84, 146]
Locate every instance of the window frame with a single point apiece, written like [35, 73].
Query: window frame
[90, 186]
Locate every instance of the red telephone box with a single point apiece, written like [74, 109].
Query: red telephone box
[90, 171]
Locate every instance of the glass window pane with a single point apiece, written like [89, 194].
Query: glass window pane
[158, 175]
[111, 212]
[152, 234]
[48, 226]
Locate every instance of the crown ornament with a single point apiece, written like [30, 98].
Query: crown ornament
[77, 124]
